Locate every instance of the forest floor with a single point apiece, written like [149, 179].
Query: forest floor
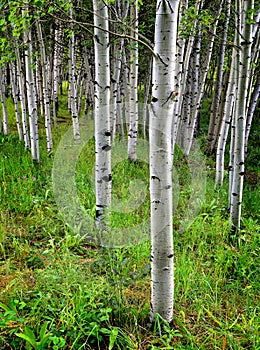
[58, 291]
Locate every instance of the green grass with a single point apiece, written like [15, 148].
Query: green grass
[59, 292]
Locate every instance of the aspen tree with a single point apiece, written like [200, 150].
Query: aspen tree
[38, 84]
[15, 93]
[3, 101]
[226, 121]
[133, 85]
[57, 58]
[204, 68]
[251, 109]
[215, 119]
[244, 43]
[182, 81]
[72, 98]
[30, 89]
[45, 93]
[161, 112]
[103, 179]
[22, 97]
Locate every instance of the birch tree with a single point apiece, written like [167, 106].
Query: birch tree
[72, 98]
[30, 88]
[103, 179]
[15, 93]
[3, 101]
[22, 97]
[46, 99]
[215, 118]
[244, 44]
[133, 84]
[57, 58]
[161, 159]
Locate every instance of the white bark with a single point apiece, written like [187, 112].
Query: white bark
[115, 87]
[133, 85]
[38, 85]
[226, 121]
[21, 84]
[161, 159]
[30, 89]
[3, 102]
[215, 118]
[56, 68]
[73, 84]
[103, 178]
[251, 109]
[45, 92]
[243, 68]
[184, 51]
[15, 93]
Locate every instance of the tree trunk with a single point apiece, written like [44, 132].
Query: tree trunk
[15, 93]
[30, 89]
[3, 101]
[226, 121]
[21, 84]
[243, 68]
[56, 69]
[251, 109]
[133, 85]
[215, 120]
[46, 100]
[161, 160]
[102, 112]
[73, 85]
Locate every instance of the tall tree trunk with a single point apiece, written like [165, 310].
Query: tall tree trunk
[56, 69]
[226, 121]
[251, 109]
[133, 85]
[46, 100]
[30, 89]
[15, 93]
[244, 56]
[73, 83]
[21, 84]
[163, 84]
[3, 101]
[215, 120]
[102, 112]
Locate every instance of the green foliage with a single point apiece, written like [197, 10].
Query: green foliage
[58, 292]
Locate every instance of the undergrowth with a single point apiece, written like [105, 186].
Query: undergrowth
[58, 291]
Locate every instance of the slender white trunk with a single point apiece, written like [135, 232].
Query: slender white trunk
[184, 51]
[215, 120]
[193, 93]
[3, 101]
[226, 121]
[21, 84]
[30, 89]
[163, 84]
[133, 86]
[56, 69]
[89, 85]
[244, 55]
[45, 93]
[73, 83]
[38, 85]
[115, 87]
[15, 93]
[251, 109]
[147, 86]
[102, 112]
